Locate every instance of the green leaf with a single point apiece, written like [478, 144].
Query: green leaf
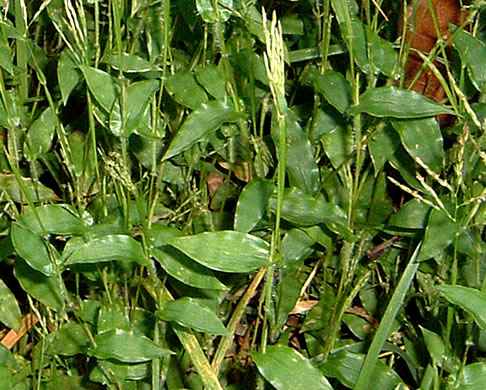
[68, 74]
[252, 204]
[211, 78]
[301, 163]
[422, 139]
[470, 299]
[439, 234]
[335, 89]
[473, 55]
[338, 144]
[103, 86]
[209, 15]
[412, 215]
[40, 134]
[397, 103]
[184, 269]
[37, 191]
[185, 90]
[69, 340]
[435, 345]
[226, 251]
[6, 379]
[109, 248]
[56, 219]
[345, 366]
[207, 118]
[126, 347]
[32, 248]
[130, 63]
[47, 290]
[137, 99]
[9, 308]
[286, 369]
[472, 377]
[113, 316]
[303, 209]
[383, 146]
[382, 54]
[296, 246]
[192, 313]
[5, 56]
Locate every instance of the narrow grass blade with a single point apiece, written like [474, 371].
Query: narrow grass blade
[365, 379]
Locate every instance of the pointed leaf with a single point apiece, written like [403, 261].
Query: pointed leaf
[69, 340]
[9, 308]
[130, 63]
[185, 90]
[412, 215]
[472, 377]
[226, 251]
[126, 347]
[109, 248]
[439, 234]
[184, 269]
[252, 204]
[335, 89]
[473, 55]
[470, 299]
[301, 163]
[68, 74]
[211, 78]
[345, 366]
[383, 146]
[47, 290]
[55, 218]
[422, 139]
[207, 118]
[5, 55]
[137, 99]
[103, 86]
[286, 369]
[303, 209]
[32, 248]
[192, 313]
[40, 134]
[397, 103]
[37, 191]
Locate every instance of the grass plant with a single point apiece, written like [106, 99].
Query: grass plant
[239, 195]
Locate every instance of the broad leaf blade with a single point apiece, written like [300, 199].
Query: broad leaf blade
[439, 234]
[47, 290]
[470, 299]
[126, 347]
[473, 55]
[226, 251]
[102, 85]
[55, 218]
[335, 89]
[252, 204]
[109, 248]
[9, 308]
[303, 209]
[184, 269]
[345, 366]
[205, 119]
[192, 313]
[422, 139]
[397, 103]
[32, 248]
[286, 369]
